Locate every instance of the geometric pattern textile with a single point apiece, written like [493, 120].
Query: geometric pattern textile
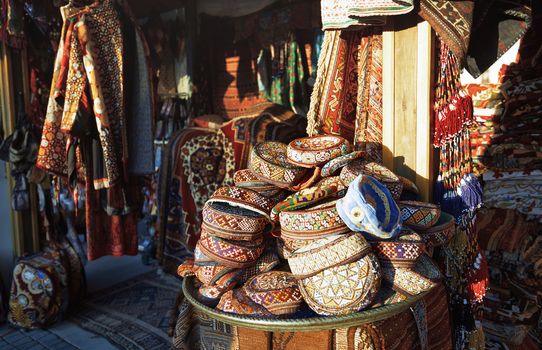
[133, 315]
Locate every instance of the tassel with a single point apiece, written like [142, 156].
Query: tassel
[470, 191]
[452, 204]
[478, 279]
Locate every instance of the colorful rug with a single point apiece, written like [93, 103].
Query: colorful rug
[132, 315]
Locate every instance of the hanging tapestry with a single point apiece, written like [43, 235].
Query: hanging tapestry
[477, 32]
[347, 95]
[368, 134]
[173, 234]
[334, 97]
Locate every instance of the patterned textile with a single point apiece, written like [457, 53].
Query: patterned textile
[179, 231]
[335, 164]
[343, 289]
[506, 138]
[39, 292]
[333, 100]
[403, 251]
[395, 333]
[108, 234]
[497, 25]
[54, 139]
[269, 162]
[206, 166]
[314, 151]
[84, 134]
[231, 222]
[512, 246]
[277, 291]
[369, 117]
[327, 252]
[342, 14]
[361, 166]
[318, 221]
[263, 122]
[347, 95]
[288, 84]
[304, 198]
[452, 20]
[132, 315]
[478, 32]
[419, 215]
[238, 302]
[183, 191]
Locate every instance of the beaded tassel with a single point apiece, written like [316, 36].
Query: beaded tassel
[456, 189]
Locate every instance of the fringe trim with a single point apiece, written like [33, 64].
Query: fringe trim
[453, 118]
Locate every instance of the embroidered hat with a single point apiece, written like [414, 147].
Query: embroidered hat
[343, 289]
[369, 207]
[440, 233]
[419, 215]
[402, 251]
[378, 171]
[317, 150]
[277, 291]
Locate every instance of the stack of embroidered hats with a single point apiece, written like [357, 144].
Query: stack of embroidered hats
[334, 216]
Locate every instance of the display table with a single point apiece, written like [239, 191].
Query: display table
[388, 327]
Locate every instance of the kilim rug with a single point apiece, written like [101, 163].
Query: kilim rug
[132, 315]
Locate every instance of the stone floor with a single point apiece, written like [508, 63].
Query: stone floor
[62, 336]
[66, 335]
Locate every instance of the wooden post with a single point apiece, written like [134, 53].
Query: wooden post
[7, 103]
[407, 82]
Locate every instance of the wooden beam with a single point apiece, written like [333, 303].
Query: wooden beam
[407, 79]
[388, 95]
[32, 188]
[8, 115]
[405, 83]
[424, 148]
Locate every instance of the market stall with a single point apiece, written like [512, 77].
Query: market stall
[318, 174]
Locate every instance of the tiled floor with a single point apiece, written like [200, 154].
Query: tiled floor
[66, 335]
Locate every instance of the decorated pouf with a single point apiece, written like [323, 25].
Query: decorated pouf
[314, 227]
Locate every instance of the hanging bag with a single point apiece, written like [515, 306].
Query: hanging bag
[48, 284]
[39, 293]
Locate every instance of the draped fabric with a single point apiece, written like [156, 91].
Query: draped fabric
[198, 161]
[478, 32]
[347, 95]
[84, 137]
[513, 249]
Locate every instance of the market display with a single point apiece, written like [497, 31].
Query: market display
[342, 242]
[245, 145]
